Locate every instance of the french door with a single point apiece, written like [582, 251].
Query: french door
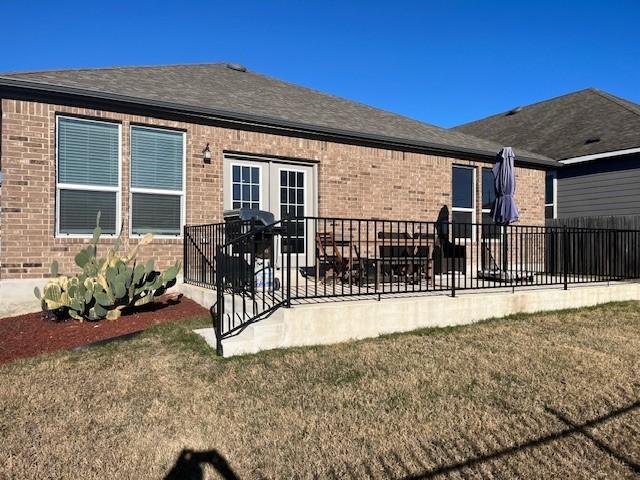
[288, 190]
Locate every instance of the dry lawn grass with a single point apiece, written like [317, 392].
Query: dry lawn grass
[506, 398]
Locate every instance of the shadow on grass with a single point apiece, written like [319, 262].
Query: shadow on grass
[190, 465]
[573, 428]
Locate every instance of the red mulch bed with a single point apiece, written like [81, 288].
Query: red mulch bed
[29, 335]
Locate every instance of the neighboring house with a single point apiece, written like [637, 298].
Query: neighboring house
[155, 148]
[593, 134]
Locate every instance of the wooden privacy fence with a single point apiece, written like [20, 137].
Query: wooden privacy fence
[608, 246]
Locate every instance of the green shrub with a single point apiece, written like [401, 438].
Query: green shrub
[106, 285]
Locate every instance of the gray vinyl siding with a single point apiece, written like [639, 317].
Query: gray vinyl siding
[605, 187]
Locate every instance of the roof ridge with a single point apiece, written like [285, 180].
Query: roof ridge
[539, 102]
[619, 101]
[113, 67]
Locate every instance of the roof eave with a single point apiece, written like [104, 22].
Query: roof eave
[598, 156]
[258, 120]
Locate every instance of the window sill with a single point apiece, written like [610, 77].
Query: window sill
[74, 236]
[156, 238]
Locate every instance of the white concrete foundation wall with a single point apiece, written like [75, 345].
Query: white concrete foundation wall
[326, 323]
[17, 298]
[202, 296]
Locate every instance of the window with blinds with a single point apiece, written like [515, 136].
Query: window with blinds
[157, 192]
[88, 175]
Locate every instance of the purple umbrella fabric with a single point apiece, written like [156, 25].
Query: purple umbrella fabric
[505, 210]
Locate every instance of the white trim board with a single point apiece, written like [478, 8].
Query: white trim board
[597, 156]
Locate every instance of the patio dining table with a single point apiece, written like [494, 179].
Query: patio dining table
[413, 268]
[403, 254]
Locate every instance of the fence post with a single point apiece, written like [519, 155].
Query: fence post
[453, 259]
[288, 243]
[185, 259]
[565, 255]
[219, 305]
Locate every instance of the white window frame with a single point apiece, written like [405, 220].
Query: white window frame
[261, 188]
[89, 188]
[157, 191]
[473, 200]
[554, 183]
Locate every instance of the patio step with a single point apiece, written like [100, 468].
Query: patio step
[267, 332]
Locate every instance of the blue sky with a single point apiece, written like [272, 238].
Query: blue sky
[443, 62]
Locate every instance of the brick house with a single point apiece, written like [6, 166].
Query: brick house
[155, 148]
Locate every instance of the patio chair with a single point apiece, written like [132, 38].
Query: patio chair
[331, 261]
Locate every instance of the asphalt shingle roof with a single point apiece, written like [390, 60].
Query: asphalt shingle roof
[215, 86]
[566, 126]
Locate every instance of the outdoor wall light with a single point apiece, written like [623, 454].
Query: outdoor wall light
[206, 154]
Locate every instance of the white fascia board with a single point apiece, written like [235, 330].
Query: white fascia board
[597, 156]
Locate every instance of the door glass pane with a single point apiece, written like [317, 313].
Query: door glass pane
[245, 186]
[292, 197]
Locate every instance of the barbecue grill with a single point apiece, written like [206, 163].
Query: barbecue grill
[248, 264]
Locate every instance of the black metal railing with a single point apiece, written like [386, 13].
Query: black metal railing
[200, 247]
[257, 270]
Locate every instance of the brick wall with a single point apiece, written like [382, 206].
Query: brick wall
[353, 181]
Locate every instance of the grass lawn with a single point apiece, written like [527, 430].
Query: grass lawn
[552, 395]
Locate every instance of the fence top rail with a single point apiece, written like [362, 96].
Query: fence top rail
[199, 225]
[383, 221]
[448, 222]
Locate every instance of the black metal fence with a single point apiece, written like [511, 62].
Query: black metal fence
[200, 249]
[256, 270]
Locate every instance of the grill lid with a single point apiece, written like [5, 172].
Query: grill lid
[261, 216]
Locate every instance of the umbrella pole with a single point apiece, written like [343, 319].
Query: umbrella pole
[505, 251]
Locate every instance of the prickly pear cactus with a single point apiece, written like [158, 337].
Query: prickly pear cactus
[106, 286]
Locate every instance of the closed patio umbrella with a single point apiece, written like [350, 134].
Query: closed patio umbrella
[505, 211]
